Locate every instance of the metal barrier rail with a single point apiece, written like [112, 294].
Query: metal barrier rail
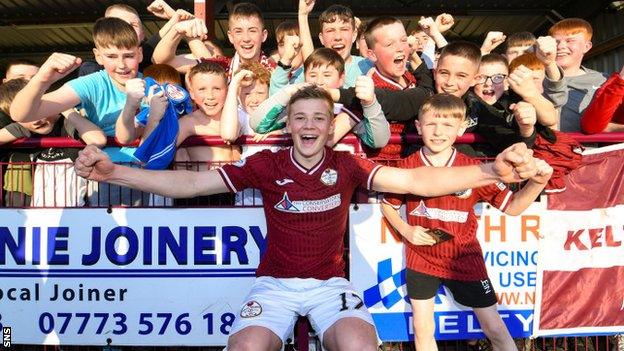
[284, 140]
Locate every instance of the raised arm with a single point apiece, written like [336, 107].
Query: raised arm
[125, 128]
[229, 117]
[94, 164]
[307, 45]
[165, 51]
[30, 104]
[514, 164]
[521, 82]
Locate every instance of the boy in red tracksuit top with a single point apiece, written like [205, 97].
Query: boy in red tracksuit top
[457, 262]
[389, 50]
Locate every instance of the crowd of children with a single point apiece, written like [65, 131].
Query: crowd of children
[514, 88]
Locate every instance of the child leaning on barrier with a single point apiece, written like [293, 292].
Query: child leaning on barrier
[54, 181]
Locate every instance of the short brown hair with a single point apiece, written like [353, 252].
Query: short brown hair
[528, 60]
[8, 91]
[312, 93]
[322, 57]
[163, 73]
[572, 26]
[260, 73]
[208, 67]
[375, 24]
[114, 32]
[285, 28]
[461, 48]
[494, 58]
[444, 105]
[337, 12]
[122, 7]
[520, 39]
[246, 10]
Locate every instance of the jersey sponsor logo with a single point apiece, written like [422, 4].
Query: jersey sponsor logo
[437, 213]
[501, 186]
[251, 309]
[329, 177]
[282, 182]
[464, 194]
[307, 206]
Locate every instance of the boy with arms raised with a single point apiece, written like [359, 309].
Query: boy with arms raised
[208, 89]
[457, 262]
[568, 84]
[102, 94]
[455, 74]
[306, 190]
[325, 68]
[337, 24]
[245, 31]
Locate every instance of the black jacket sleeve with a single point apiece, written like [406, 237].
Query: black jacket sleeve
[397, 105]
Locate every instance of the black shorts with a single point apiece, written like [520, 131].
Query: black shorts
[476, 294]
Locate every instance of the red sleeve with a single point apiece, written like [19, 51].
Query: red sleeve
[246, 173]
[363, 171]
[396, 200]
[498, 195]
[603, 106]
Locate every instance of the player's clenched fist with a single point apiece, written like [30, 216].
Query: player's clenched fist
[92, 163]
[515, 164]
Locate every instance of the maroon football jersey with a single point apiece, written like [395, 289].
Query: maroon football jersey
[306, 209]
[460, 258]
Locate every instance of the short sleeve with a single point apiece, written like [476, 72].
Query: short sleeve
[497, 195]
[248, 172]
[362, 170]
[84, 86]
[16, 130]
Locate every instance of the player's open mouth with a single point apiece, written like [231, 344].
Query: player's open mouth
[308, 139]
[338, 47]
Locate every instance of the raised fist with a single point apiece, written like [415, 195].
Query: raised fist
[546, 49]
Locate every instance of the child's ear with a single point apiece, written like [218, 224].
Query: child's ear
[98, 56]
[332, 126]
[417, 124]
[371, 55]
[265, 34]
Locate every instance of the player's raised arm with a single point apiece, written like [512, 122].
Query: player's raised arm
[514, 164]
[94, 164]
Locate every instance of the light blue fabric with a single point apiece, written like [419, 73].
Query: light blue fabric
[358, 66]
[103, 102]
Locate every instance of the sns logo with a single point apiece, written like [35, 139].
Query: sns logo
[6, 337]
